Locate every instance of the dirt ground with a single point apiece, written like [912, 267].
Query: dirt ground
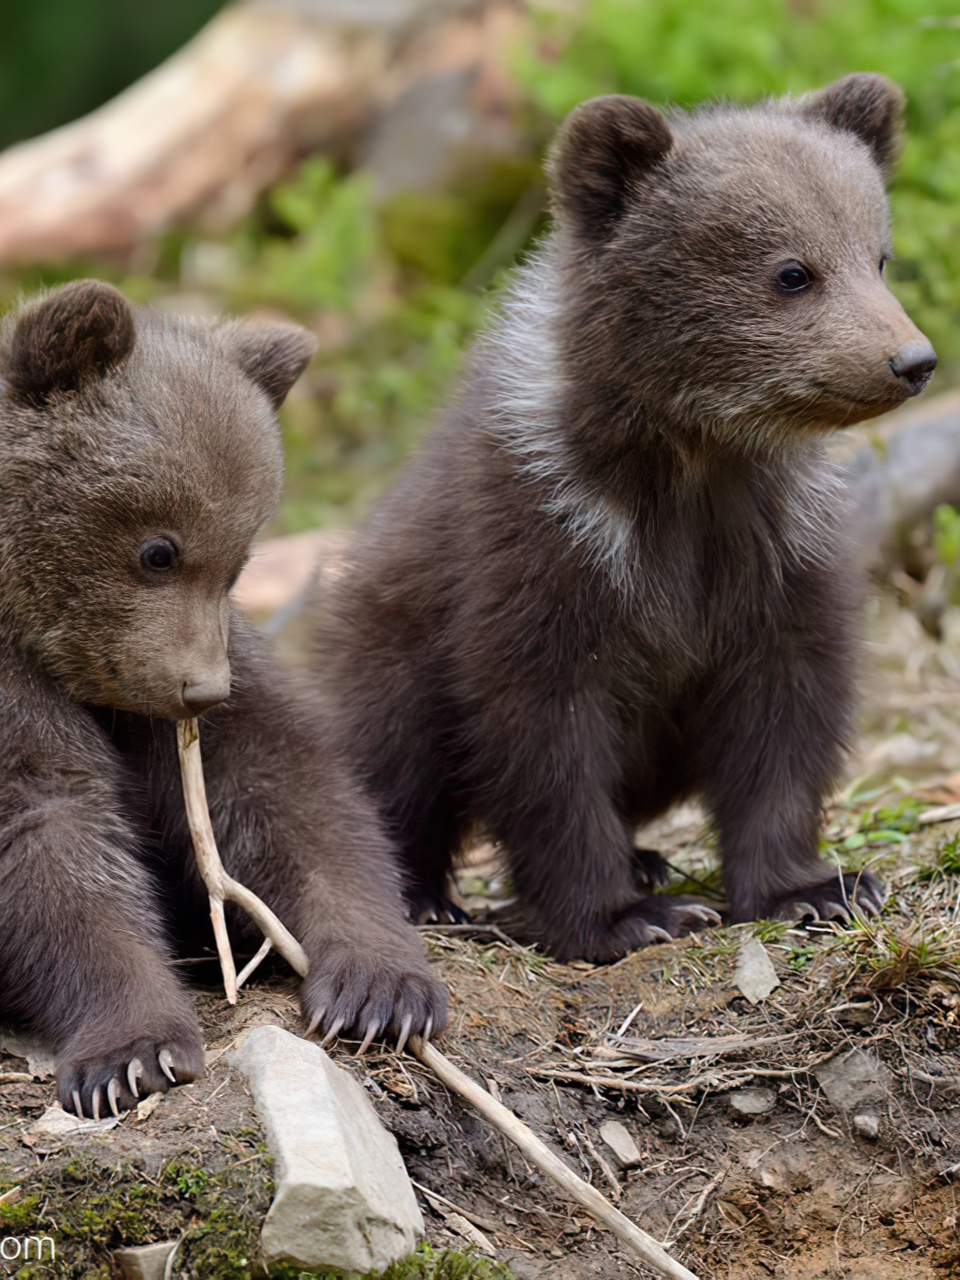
[802, 1189]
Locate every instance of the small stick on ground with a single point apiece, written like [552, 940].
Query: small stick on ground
[643, 1245]
[221, 887]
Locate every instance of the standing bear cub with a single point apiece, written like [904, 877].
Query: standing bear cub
[139, 455]
[617, 575]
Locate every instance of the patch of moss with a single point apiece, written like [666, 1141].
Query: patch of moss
[425, 1263]
[90, 1209]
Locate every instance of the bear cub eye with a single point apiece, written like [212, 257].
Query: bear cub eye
[793, 276]
[158, 556]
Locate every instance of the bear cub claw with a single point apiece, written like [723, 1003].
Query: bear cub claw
[839, 898]
[93, 1089]
[427, 906]
[362, 997]
[650, 868]
[647, 922]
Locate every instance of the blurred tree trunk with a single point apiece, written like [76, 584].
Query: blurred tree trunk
[909, 468]
[199, 137]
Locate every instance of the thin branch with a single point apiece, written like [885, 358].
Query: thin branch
[221, 887]
[643, 1245]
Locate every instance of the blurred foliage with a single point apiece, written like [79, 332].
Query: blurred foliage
[61, 58]
[683, 51]
[946, 535]
[395, 290]
[386, 290]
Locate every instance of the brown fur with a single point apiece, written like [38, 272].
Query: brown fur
[616, 574]
[117, 429]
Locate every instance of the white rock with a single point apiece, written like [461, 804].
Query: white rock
[41, 1059]
[147, 1262]
[854, 1080]
[754, 973]
[749, 1103]
[868, 1126]
[620, 1141]
[343, 1197]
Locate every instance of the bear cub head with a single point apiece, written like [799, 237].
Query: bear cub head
[724, 268]
[139, 455]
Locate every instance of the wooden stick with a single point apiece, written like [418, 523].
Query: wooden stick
[221, 887]
[643, 1245]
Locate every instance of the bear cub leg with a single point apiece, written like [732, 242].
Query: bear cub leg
[85, 966]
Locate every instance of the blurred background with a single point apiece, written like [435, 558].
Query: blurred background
[372, 168]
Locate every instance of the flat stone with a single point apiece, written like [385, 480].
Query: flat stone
[854, 1080]
[343, 1197]
[57, 1123]
[866, 1125]
[620, 1141]
[754, 973]
[148, 1262]
[750, 1103]
[41, 1059]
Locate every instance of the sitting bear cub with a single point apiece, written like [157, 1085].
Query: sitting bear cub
[616, 574]
[139, 455]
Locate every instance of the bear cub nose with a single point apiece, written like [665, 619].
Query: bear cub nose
[915, 362]
[201, 697]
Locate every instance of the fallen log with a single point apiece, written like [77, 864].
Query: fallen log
[198, 138]
[911, 466]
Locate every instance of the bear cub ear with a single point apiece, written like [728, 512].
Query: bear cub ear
[271, 355]
[81, 330]
[603, 145]
[867, 105]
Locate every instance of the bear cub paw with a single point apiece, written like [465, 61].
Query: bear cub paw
[365, 995]
[649, 921]
[427, 906]
[95, 1087]
[838, 898]
[650, 868]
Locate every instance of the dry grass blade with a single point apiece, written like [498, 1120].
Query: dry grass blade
[687, 1047]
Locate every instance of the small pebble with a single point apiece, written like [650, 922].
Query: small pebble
[750, 1103]
[620, 1141]
[867, 1126]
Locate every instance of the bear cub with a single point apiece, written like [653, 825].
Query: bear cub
[616, 575]
[139, 455]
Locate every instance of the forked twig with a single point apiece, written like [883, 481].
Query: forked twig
[222, 888]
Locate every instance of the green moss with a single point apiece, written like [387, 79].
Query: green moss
[16, 1218]
[425, 1263]
[90, 1209]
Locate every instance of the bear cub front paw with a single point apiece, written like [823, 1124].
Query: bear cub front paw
[838, 898]
[363, 995]
[93, 1086]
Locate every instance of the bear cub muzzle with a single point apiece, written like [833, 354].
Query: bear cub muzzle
[139, 456]
[617, 573]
